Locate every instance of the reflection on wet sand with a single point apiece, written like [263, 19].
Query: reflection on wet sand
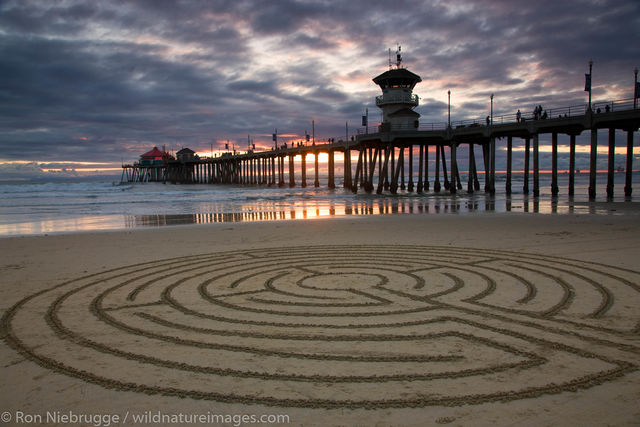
[385, 206]
[310, 209]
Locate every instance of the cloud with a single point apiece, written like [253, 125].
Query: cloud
[33, 170]
[130, 75]
[283, 16]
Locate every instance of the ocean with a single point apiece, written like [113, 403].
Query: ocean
[99, 204]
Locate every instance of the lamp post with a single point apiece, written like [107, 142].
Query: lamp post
[366, 111]
[491, 109]
[635, 87]
[590, 81]
[449, 105]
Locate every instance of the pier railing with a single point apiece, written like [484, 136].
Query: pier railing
[599, 107]
[526, 116]
[401, 98]
[552, 113]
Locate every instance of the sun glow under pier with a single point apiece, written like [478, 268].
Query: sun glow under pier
[377, 207]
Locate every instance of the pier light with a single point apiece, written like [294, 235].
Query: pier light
[636, 89]
[449, 107]
[587, 84]
[492, 109]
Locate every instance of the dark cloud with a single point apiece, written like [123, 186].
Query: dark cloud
[89, 81]
[254, 87]
[282, 17]
[307, 41]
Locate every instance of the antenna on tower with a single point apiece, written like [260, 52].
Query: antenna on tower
[398, 56]
[390, 66]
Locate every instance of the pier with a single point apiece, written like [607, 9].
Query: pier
[397, 158]
[383, 161]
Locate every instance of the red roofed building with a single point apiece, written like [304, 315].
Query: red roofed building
[153, 157]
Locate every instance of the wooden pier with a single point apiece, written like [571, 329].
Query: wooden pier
[385, 159]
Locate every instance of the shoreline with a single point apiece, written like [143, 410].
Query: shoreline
[397, 206]
[611, 243]
[93, 205]
[409, 227]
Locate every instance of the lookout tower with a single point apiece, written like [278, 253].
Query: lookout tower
[397, 100]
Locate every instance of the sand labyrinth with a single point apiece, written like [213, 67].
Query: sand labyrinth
[339, 326]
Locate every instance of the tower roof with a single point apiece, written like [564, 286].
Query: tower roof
[397, 77]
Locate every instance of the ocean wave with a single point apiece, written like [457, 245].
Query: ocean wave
[44, 201]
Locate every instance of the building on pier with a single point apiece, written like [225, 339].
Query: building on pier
[397, 100]
[153, 157]
[187, 155]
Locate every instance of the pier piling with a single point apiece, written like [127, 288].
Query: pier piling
[316, 182]
[420, 168]
[509, 161]
[592, 164]
[292, 179]
[453, 187]
[572, 163]
[410, 183]
[436, 184]
[426, 169]
[527, 148]
[628, 172]
[611, 162]
[444, 168]
[331, 165]
[536, 166]
[554, 164]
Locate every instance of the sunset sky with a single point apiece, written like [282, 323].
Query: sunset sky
[88, 84]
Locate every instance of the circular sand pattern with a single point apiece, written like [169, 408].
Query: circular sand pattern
[339, 326]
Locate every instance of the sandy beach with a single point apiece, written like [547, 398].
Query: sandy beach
[483, 319]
